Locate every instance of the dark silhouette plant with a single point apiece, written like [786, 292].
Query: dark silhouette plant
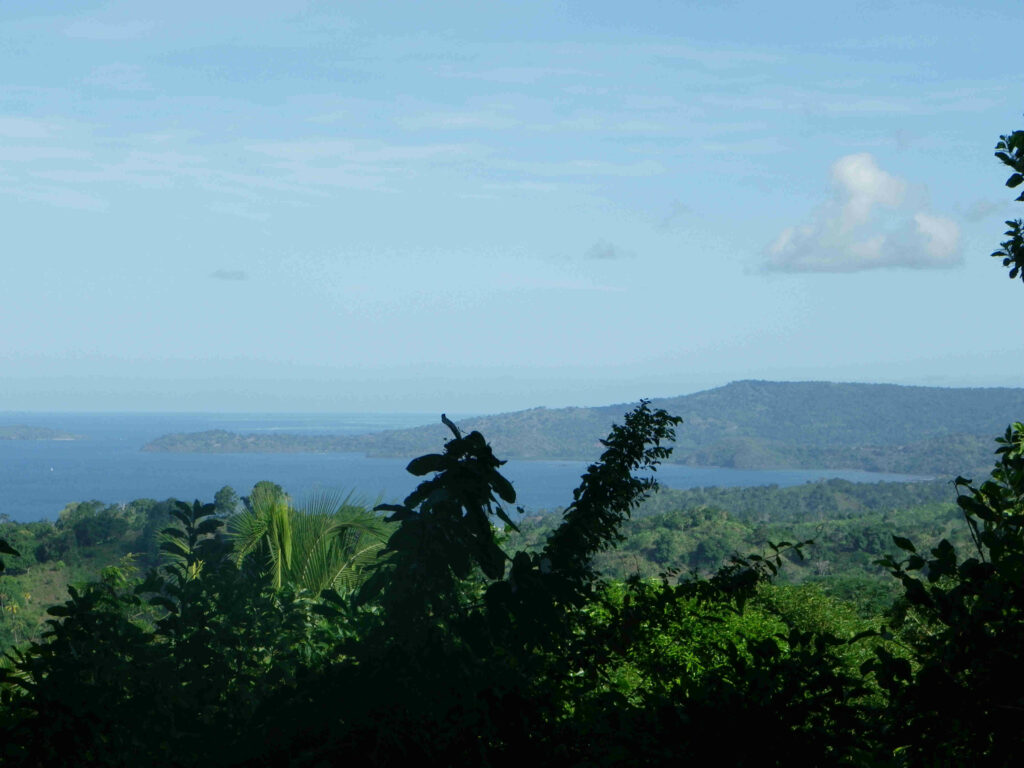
[1010, 150]
[955, 693]
[6, 549]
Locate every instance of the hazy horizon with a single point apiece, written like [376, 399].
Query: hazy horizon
[457, 414]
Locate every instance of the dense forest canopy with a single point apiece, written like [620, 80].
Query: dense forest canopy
[697, 529]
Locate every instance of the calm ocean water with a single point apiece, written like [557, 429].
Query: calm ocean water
[38, 478]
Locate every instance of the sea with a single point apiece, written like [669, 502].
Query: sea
[39, 478]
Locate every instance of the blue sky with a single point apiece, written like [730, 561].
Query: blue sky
[479, 207]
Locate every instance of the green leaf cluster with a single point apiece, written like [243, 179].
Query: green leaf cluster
[1010, 151]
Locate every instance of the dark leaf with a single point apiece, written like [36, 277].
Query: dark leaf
[208, 526]
[903, 543]
[432, 462]
[502, 487]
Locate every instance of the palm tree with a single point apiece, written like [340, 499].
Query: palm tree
[329, 542]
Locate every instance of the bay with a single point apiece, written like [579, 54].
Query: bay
[38, 478]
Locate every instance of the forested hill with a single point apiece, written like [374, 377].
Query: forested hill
[746, 424]
[822, 413]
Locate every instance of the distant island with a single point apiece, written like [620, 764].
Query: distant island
[24, 432]
[743, 425]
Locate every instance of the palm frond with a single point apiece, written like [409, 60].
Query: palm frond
[361, 558]
[328, 541]
[264, 528]
[247, 529]
[315, 534]
[341, 539]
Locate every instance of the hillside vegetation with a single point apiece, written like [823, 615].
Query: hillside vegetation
[693, 530]
[699, 530]
[464, 644]
[746, 425]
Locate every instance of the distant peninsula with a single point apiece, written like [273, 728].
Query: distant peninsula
[743, 425]
[24, 432]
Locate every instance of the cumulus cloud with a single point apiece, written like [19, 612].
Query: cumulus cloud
[870, 223]
[602, 250]
[229, 274]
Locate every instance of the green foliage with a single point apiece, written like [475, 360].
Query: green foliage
[700, 530]
[263, 527]
[1010, 151]
[75, 698]
[1011, 250]
[444, 532]
[166, 670]
[93, 522]
[327, 543]
[72, 550]
[956, 700]
[832, 499]
[458, 651]
[226, 500]
[497, 654]
[7, 608]
[609, 491]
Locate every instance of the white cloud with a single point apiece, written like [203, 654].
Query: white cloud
[868, 224]
[864, 185]
[942, 236]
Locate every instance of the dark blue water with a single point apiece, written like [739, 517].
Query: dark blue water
[37, 478]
